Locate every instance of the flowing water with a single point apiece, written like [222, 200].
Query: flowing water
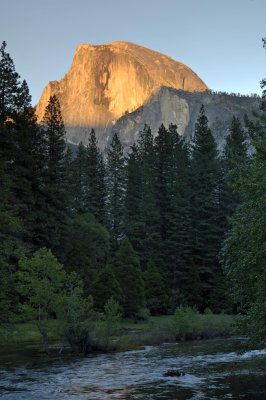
[213, 370]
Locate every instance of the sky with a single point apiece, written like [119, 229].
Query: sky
[221, 40]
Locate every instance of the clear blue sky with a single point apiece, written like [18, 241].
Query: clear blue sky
[219, 39]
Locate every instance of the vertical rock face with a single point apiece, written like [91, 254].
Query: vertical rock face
[182, 108]
[109, 81]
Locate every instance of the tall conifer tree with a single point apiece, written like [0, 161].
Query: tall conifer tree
[115, 188]
[56, 196]
[128, 274]
[206, 232]
[94, 175]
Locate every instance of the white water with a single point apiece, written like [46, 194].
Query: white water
[212, 371]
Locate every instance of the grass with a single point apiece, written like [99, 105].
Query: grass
[185, 324]
[27, 332]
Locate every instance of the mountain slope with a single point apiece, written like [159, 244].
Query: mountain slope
[108, 81]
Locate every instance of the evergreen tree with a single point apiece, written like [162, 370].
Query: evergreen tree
[206, 231]
[9, 223]
[9, 86]
[11, 250]
[128, 274]
[172, 190]
[56, 202]
[164, 178]
[235, 164]
[86, 248]
[156, 291]
[148, 209]
[104, 287]
[115, 170]
[94, 180]
[133, 225]
[178, 245]
[244, 249]
[77, 180]
[29, 168]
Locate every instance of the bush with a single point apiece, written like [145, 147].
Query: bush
[107, 329]
[187, 323]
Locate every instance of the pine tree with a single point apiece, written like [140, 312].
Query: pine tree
[166, 174]
[235, 164]
[9, 86]
[86, 248]
[244, 250]
[163, 186]
[16, 115]
[115, 171]
[104, 287]
[94, 180]
[128, 274]
[56, 214]
[29, 170]
[178, 245]
[77, 180]
[156, 291]
[133, 225]
[206, 232]
[148, 208]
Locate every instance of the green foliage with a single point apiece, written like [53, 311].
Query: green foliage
[10, 253]
[76, 177]
[87, 248]
[56, 211]
[174, 207]
[133, 225]
[40, 281]
[148, 210]
[207, 233]
[128, 274]
[244, 250]
[73, 309]
[10, 87]
[94, 180]
[115, 188]
[186, 322]
[104, 287]
[235, 166]
[107, 329]
[253, 323]
[156, 295]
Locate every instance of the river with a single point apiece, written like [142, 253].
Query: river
[213, 370]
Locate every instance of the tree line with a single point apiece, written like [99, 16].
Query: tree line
[151, 229]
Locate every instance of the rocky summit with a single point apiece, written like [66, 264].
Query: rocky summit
[120, 86]
[106, 82]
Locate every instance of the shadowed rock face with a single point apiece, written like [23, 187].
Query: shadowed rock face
[109, 81]
[182, 108]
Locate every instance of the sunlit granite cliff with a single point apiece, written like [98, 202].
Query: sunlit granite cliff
[109, 81]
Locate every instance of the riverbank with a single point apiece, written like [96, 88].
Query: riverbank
[183, 326]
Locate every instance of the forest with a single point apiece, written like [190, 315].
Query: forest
[170, 225]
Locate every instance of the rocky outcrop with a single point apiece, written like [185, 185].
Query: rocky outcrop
[109, 81]
[182, 108]
[118, 87]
